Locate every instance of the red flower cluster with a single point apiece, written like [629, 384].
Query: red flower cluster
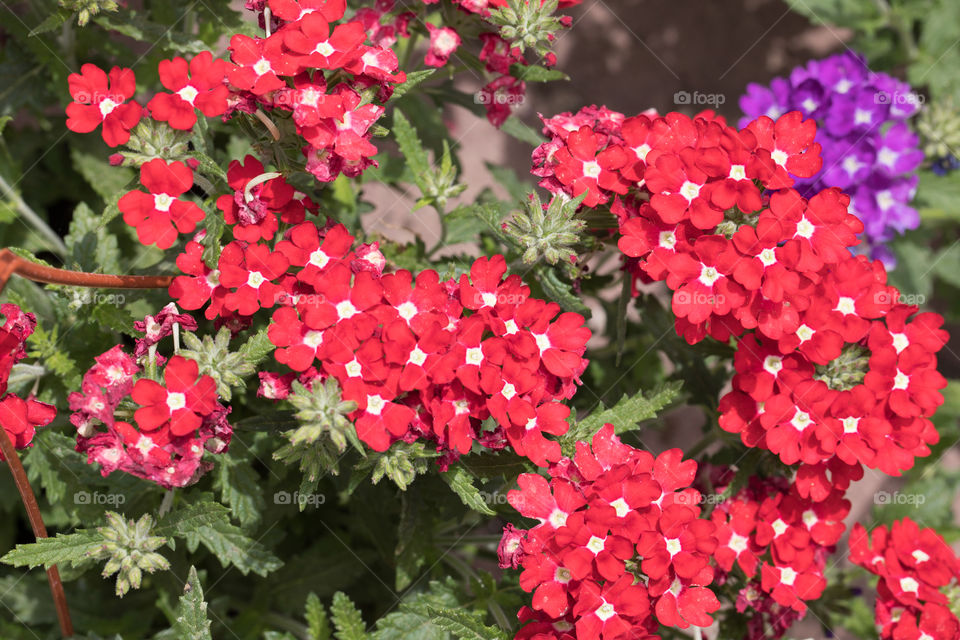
[710, 211]
[18, 417]
[914, 566]
[421, 357]
[780, 541]
[620, 547]
[175, 421]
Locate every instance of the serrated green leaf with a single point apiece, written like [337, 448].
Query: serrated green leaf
[68, 549]
[233, 547]
[461, 481]
[560, 291]
[239, 486]
[414, 78]
[52, 22]
[629, 412]
[257, 347]
[460, 624]
[136, 26]
[516, 128]
[346, 618]
[192, 622]
[535, 73]
[318, 626]
[191, 518]
[108, 313]
[108, 181]
[411, 147]
[89, 244]
[410, 622]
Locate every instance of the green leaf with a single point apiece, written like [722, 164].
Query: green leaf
[108, 181]
[461, 481]
[108, 313]
[157, 35]
[516, 128]
[410, 622]
[240, 487]
[192, 622]
[534, 73]
[411, 147]
[318, 626]
[414, 78]
[560, 291]
[52, 22]
[257, 347]
[90, 245]
[626, 415]
[189, 519]
[346, 618]
[461, 624]
[233, 547]
[69, 549]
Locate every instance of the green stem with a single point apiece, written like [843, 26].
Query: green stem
[38, 224]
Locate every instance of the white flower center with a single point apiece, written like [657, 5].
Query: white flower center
[668, 239]
[557, 518]
[810, 518]
[909, 585]
[642, 151]
[862, 116]
[107, 106]
[562, 575]
[176, 401]
[768, 257]
[773, 364]
[690, 190]
[900, 341]
[417, 357]
[474, 356]
[621, 507]
[591, 169]
[595, 544]
[887, 157]
[353, 368]
[375, 405]
[543, 342]
[345, 309]
[605, 611]
[885, 199]
[901, 381]
[738, 543]
[319, 259]
[461, 407]
[738, 172]
[255, 279]
[780, 157]
[788, 576]
[851, 424]
[488, 299]
[188, 94]
[801, 420]
[920, 556]
[673, 546]
[407, 310]
[162, 201]
[846, 305]
[531, 424]
[805, 228]
[313, 339]
[804, 333]
[508, 390]
[511, 327]
[262, 66]
[709, 275]
[145, 444]
[779, 526]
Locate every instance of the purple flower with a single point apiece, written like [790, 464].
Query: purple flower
[868, 149]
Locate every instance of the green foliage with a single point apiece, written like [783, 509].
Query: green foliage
[192, 622]
[461, 481]
[626, 415]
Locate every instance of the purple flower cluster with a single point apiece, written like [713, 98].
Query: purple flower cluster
[868, 149]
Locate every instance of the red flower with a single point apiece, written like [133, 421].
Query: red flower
[183, 399]
[102, 99]
[252, 272]
[199, 85]
[582, 166]
[159, 215]
[315, 47]
[785, 147]
[260, 64]
[443, 42]
[293, 10]
[20, 418]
